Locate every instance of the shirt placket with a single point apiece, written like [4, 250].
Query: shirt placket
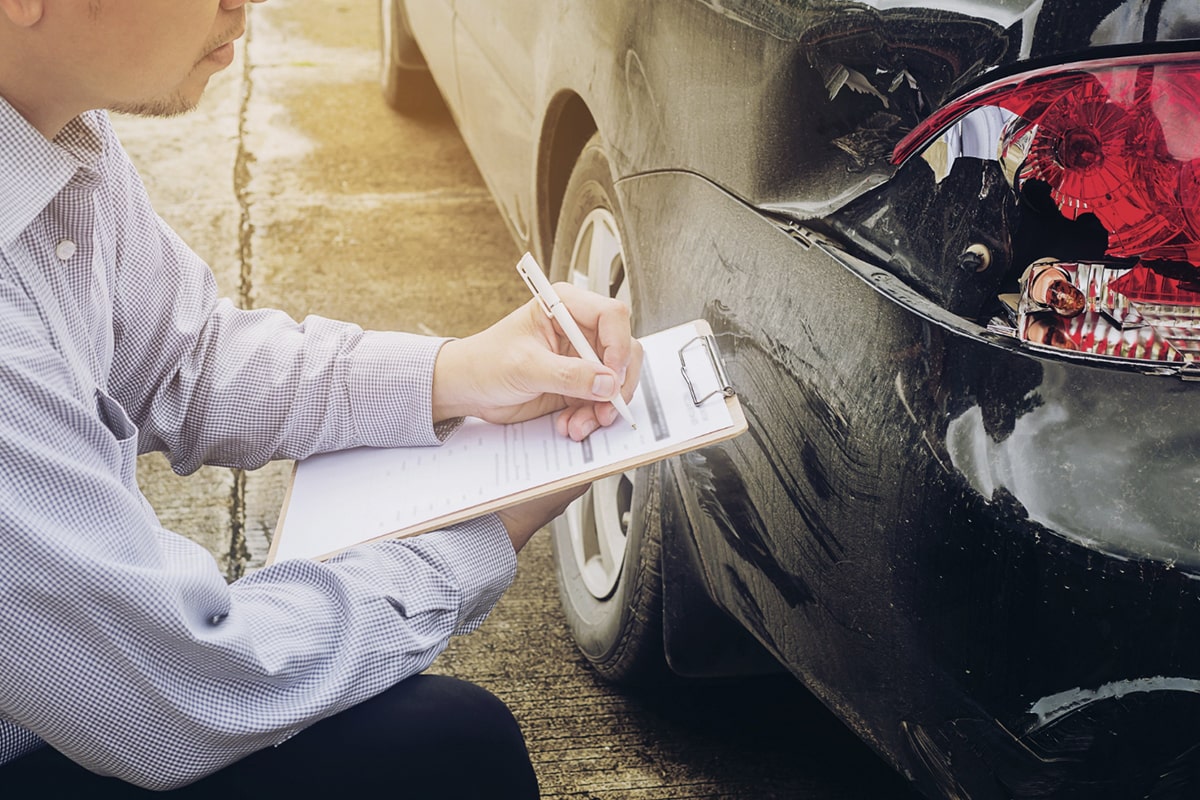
[78, 282]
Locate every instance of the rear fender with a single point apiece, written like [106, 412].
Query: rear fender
[700, 640]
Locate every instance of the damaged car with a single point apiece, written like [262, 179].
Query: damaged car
[950, 252]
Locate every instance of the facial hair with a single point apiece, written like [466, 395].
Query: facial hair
[170, 106]
[175, 103]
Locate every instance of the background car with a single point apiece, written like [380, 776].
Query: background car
[949, 250]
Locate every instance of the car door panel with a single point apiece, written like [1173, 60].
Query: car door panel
[496, 43]
[431, 23]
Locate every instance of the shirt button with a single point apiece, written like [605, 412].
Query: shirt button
[65, 250]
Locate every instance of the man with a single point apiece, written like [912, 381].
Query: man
[126, 661]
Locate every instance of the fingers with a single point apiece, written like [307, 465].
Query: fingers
[604, 320]
[523, 367]
[571, 376]
[581, 421]
[513, 371]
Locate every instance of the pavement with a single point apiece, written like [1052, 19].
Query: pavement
[304, 192]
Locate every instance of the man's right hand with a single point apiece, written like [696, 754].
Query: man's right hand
[523, 367]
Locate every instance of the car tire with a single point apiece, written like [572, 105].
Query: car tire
[405, 82]
[612, 601]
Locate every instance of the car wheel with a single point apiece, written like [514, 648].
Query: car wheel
[607, 544]
[406, 84]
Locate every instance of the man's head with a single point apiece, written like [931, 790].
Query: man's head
[59, 58]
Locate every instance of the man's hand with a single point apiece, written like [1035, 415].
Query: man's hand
[523, 520]
[523, 367]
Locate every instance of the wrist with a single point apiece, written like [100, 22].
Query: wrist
[451, 383]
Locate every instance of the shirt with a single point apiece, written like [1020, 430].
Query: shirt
[121, 643]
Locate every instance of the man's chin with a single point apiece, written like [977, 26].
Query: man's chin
[171, 106]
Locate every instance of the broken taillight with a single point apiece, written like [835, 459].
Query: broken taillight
[1118, 139]
[1124, 312]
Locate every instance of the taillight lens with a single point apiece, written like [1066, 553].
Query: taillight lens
[1118, 139]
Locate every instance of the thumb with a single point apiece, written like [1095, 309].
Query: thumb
[571, 376]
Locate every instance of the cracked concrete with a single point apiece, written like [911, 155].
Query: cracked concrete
[303, 192]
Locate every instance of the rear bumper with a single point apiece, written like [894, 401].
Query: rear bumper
[981, 558]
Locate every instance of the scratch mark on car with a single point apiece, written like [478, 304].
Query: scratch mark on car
[1055, 706]
[752, 611]
[724, 498]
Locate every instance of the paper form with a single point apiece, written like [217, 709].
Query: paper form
[344, 498]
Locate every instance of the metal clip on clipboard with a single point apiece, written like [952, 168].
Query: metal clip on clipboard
[709, 343]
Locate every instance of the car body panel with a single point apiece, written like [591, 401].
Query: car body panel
[432, 23]
[760, 122]
[495, 48]
[961, 543]
[908, 581]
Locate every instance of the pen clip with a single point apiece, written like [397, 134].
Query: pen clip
[523, 271]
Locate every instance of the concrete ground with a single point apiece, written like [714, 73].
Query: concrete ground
[304, 192]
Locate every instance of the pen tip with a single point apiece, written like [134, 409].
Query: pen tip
[634, 424]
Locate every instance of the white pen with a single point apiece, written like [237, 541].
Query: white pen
[554, 307]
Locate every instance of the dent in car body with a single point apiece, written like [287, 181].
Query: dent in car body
[885, 531]
[915, 575]
[762, 122]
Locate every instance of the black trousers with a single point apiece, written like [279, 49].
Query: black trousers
[427, 737]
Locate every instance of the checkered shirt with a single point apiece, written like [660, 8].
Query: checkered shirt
[121, 644]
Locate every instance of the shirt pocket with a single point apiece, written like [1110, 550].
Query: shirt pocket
[113, 415]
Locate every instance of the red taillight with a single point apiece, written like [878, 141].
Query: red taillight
[1119, 139]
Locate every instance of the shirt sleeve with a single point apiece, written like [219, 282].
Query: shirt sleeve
[124, 647]
[209, 383]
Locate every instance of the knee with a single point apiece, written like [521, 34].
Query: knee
[470, 712]
[474, 729]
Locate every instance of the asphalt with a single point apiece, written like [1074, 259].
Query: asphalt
[304, 192]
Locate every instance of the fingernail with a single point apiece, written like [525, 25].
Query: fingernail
[587, 428]
[604, 386]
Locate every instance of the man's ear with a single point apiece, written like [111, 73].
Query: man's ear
[22, 13]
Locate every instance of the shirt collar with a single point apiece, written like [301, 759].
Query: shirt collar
[34, 169]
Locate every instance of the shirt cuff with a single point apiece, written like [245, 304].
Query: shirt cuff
[479, 558]
[391, 390]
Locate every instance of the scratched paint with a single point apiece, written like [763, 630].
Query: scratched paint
[1053, 707]
[923, 523]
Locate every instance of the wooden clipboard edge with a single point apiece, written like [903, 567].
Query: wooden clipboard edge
[737, 426]
[462, 515]
[283, 509]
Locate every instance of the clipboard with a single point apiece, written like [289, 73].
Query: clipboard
[335, 501]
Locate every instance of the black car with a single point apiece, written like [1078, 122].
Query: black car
[949, 250]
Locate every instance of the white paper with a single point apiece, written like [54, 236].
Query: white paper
[340, 499]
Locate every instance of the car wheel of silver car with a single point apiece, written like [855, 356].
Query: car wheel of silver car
[607, 544]
[404, 80]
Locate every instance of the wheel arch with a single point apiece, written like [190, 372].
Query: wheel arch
[566, 127]
[698, 638]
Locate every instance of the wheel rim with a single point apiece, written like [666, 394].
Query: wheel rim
[598, 522]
